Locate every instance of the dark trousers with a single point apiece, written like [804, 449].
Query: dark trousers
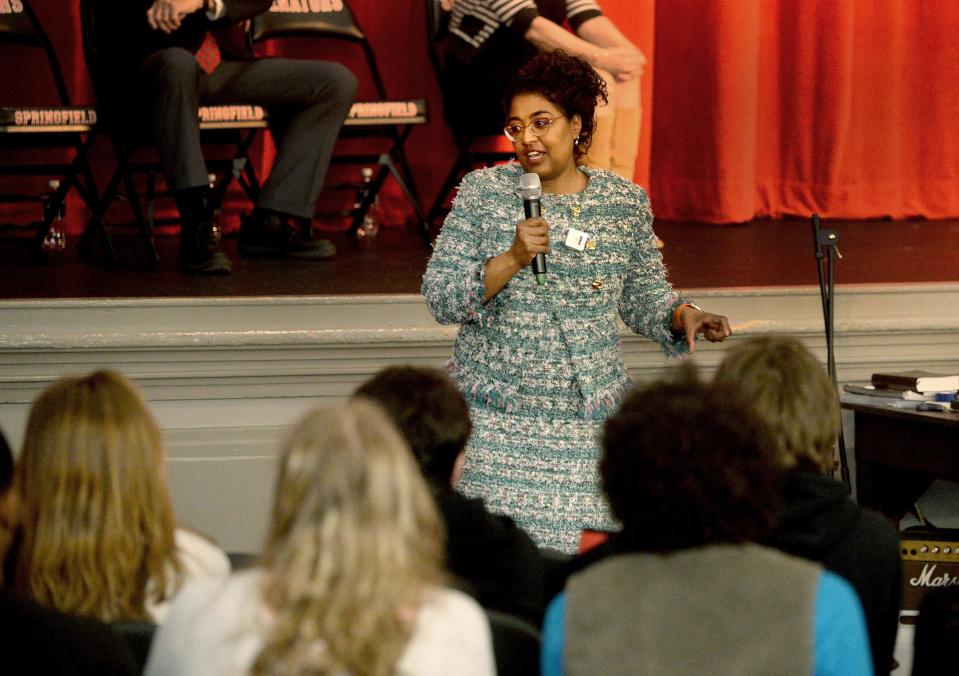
[307, 102]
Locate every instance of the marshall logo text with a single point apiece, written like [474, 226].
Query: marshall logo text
[926, 579]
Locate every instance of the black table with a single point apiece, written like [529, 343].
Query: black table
[900, 451]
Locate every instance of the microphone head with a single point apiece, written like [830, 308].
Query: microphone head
[529, 186]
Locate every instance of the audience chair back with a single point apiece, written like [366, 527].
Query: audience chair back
[515, 644]
[139, 636]
[242, 560]
[31, 124]
[473, 150]
[936, 641]
[336, 21]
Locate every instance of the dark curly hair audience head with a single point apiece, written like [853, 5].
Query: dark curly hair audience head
[687, 464]
[567, 81]
[429, 411]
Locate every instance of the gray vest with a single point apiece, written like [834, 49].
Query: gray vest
[724, 609]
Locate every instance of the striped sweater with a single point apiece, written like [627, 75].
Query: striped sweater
[473, 22]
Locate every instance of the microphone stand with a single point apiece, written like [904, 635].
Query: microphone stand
[826, 240]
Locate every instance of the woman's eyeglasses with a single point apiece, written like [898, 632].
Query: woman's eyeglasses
[538, 126]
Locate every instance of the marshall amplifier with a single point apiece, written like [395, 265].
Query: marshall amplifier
[930, 559]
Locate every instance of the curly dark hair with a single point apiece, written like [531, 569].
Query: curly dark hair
[567, 81]
[687, 464]
[429, 411]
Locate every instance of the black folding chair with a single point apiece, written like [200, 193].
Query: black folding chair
[30, 125]
[474, 149]
[515, 644]
[139, 636]
[234, 126]
[385, 118]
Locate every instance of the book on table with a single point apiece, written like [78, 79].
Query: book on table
[917, 381]
[887, 393]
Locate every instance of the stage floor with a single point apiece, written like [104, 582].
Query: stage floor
[701, 256]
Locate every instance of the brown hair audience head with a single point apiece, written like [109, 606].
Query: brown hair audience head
[430, 412]
[95, 512]
[792, 393]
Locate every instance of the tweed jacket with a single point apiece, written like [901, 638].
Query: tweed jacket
[526, 332]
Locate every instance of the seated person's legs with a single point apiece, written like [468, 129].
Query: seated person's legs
[307, 102]
[615, 142]
[599, 155]
[170, 85]
[626, 128]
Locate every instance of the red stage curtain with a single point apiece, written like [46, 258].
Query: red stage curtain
[762, 107]
[849, 108]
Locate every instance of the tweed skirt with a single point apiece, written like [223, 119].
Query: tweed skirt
[540, 471]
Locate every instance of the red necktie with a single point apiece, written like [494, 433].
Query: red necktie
[208, 55]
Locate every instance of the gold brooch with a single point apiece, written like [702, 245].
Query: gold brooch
[591, 245]
[575, 211]
[597, 284]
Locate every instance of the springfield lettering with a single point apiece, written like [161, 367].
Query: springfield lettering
[383, 109]
[53, 117]
[231, 113]
[926, 578]
[305, 6]
[14, 7]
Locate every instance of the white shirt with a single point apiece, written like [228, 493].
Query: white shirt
[217, 628]
[200, 559]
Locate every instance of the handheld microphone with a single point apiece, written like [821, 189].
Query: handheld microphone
[531, 190]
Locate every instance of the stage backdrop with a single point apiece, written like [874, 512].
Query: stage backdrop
[761, 107]
[771, 107]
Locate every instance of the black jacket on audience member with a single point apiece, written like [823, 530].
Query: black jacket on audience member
[820, 522]
[497, 560]
[43, 642]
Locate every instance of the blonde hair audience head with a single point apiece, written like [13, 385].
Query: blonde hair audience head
[355, 540]
[95, 513]
[792, 393]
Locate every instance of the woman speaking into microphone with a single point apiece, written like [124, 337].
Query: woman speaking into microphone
[541, 363]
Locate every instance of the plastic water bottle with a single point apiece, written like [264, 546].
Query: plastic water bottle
[371, 225]
[56, 237]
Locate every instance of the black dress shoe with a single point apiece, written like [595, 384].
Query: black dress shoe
[268, 234]
[198, 254]
[215, 263]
